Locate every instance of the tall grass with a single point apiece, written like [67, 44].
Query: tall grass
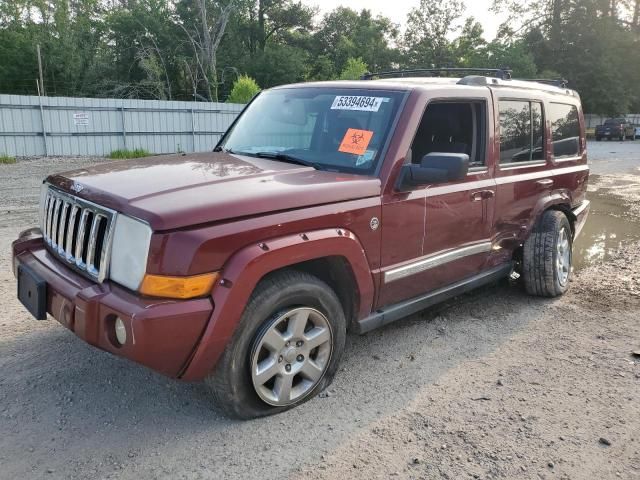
[6, 159]
[123, 153]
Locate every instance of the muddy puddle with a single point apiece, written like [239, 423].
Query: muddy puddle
[608, 227]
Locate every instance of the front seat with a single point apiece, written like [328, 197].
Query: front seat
[445, 134]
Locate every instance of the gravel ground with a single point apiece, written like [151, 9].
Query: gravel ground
[613, 157]
[494, 385]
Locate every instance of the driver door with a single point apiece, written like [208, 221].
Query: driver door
[437, 235]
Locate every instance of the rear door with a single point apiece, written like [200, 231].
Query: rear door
[523, 173]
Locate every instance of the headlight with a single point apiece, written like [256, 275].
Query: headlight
[129, 251]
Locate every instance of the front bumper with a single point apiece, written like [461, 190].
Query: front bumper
[161, 333]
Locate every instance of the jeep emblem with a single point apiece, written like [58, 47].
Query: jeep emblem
[77, 187]
[374, 223]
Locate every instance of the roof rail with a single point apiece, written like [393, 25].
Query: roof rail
[502, 73]
[558, 82]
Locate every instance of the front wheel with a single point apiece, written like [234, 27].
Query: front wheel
[547, 256]
[286, 348]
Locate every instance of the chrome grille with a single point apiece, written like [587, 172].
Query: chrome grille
[79, 232]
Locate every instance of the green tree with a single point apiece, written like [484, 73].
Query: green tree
[426, 39]
[344, 33]
[354, 69]
[470, 44]
[244, 89]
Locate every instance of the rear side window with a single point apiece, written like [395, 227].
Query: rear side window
[565, 130]
[521, 131]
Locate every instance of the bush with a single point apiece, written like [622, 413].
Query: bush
[244, 89]
[354, 69]
[136, 153]
[6, 159]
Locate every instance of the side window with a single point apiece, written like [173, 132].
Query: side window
[565, 130]
[452, 127]
[521, 131]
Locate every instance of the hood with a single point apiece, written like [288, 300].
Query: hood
[176, 191]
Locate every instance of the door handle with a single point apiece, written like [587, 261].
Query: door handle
[545, 182]
[482, 195]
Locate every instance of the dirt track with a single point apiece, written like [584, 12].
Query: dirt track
[493, 385]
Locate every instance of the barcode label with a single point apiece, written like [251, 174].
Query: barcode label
[365, 104]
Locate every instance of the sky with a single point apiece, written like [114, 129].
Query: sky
[397, 10]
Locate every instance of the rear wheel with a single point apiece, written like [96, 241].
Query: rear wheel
[286, 348]
[547, 256]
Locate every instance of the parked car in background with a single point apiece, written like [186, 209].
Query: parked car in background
[326, 207]
[637, 131]
[618, 128]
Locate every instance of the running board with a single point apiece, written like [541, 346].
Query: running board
[403, 309]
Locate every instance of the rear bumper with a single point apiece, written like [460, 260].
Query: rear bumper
[581, 213]
[161, 334]
[612, 133]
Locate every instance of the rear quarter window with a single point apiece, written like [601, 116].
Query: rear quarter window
[565, 130]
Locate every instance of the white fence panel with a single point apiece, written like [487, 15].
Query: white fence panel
[94, 126]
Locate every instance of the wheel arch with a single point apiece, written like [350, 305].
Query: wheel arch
[336, 256]
[335, 271]
[558, 200]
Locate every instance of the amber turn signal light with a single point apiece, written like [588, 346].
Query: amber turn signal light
[178, 287]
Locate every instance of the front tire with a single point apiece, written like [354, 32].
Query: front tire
[547, 256]
[286, 348]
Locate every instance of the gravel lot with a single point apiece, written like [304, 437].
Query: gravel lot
[493, 385]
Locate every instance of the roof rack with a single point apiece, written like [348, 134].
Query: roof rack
[558, 82]
[502, 73]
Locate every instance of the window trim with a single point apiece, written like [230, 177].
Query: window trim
[528, 163]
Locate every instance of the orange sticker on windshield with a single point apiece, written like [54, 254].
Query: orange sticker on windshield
[355, 141]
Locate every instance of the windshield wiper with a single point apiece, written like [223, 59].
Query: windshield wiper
[285, 157]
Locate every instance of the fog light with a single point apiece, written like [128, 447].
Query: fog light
[121, 331]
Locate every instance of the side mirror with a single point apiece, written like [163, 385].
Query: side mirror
[435, 168]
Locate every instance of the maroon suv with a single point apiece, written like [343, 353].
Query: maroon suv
[326, 207]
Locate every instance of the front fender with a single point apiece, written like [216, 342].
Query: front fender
[242, 272]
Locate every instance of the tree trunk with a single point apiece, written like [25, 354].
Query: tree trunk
[262, 36]
[636, 16]
[556, 20]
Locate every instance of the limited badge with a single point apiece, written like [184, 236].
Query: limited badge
[355, 141]
[374, 223]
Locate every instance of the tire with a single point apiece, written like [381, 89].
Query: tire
[277, 295]
[598, 139]
[547, 256]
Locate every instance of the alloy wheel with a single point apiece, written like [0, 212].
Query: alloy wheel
[563, 256]
[291, 355]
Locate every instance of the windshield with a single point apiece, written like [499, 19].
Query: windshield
[329, 128]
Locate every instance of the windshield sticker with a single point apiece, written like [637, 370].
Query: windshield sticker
[365, 158]
[365, 104]
[355, 141]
